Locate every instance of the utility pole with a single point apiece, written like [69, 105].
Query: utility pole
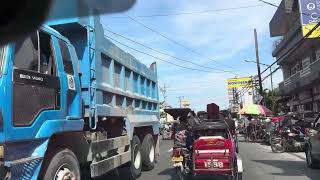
[271, 79]
[164, 94]
[258, 62]
[164, 91]
[180, 100]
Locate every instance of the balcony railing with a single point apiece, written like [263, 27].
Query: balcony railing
[301, 79]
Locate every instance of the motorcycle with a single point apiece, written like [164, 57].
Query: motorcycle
[276, 142]
[290, 138]
[294, 139]
[181, 159]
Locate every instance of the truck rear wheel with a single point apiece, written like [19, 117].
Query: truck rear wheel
[63, 166]
[132, 170]
[148, 152]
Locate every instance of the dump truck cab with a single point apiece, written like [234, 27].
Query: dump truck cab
[40, 96]
[69, 93]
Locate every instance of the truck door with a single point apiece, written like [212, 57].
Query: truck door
[70, 90]
[35, 85]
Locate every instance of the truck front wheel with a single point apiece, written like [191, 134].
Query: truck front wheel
[148, 152]
[63, 166]
[132, 170]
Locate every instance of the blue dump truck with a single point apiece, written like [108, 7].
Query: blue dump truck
[74, 105]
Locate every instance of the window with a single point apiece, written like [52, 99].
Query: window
[295, 68]
[305, 62]
[67, 62]
[28, 57]
[26, 53]
[308, 107]
[47, 65]
[318, 54]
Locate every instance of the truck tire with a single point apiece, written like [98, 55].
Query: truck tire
[311, 161]
[132, 170]
[148, 152]
[63, 165]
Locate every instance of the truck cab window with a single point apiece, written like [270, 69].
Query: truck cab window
[26, 53]
[67, 63]
[47, 65]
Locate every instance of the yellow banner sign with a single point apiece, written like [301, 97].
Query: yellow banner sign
[309, 15]
[239, 82]
[308, 27]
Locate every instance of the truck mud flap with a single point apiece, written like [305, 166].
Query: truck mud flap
[109, 144]
[119, 148]
[104, 166]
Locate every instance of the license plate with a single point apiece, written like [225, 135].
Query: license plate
[214, 164]
[177, 159]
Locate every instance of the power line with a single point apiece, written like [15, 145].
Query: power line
[177, 43]
[271, 73]
[293, 48]
[269, 3]
[274, 5]
[193, 13]
[164, 53]
[194, 69]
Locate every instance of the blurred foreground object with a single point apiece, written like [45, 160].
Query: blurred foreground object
[20, 18]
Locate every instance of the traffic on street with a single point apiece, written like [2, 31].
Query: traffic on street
[160, 90]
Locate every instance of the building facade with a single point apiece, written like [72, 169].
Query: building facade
[300, 63]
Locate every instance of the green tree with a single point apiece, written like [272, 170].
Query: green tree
[270, 98]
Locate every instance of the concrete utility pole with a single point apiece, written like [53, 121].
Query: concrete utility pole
[180, 100]
[164, 94]
[258, 62]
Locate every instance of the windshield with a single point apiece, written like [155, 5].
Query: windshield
[249, 68]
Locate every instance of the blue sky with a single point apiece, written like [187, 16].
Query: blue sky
[225, 36]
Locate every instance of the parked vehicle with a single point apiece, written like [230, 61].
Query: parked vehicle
[312, 148]
[288, 138]
[70, 98]
[294, 138]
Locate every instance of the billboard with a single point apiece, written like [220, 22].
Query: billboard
[239, 82]
[310, 13]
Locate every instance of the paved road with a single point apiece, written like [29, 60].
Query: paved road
[259, 163]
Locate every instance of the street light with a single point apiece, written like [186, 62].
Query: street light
[269, 66]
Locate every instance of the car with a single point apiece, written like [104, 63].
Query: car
[312, 147]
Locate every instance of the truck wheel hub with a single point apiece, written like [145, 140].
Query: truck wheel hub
[64, 174]
[137, 158]
[151, 155]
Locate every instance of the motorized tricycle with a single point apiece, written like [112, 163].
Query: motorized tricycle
[213, 152]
